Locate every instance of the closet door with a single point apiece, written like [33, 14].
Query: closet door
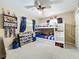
[77, 29]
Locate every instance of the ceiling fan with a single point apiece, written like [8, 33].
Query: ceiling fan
[43, 4]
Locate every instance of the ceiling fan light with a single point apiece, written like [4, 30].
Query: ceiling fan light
[40, 11]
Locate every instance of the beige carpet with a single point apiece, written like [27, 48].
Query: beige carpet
[42, 49]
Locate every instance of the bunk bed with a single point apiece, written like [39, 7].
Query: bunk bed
[55, 32]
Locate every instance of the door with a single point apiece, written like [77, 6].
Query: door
[77, 29]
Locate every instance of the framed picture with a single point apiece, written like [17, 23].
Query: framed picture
[59, 20]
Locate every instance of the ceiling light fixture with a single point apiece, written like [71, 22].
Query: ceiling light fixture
[40, 9]
[40, 12]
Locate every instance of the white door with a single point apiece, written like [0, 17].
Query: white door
[77, 29]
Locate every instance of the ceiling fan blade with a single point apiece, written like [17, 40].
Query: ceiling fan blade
[48, 6]
[31, 6]
[55, 1]
[37, 2]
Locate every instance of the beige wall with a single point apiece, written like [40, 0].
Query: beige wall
[67, 16]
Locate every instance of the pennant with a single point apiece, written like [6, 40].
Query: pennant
[23, 24]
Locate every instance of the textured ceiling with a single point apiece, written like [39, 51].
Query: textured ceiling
[66, 5]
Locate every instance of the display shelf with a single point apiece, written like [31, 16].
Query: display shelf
[25, 38]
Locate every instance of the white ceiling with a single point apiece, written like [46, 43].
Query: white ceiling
[66, 5]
